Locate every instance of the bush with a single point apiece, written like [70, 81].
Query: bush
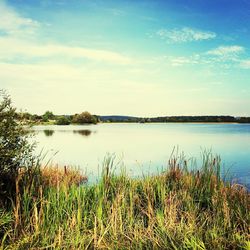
[48, 115]
[84, 118]
[62, 120]
[15, 150]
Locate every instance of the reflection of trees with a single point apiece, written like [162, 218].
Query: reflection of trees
[48, 132]
[84, 132]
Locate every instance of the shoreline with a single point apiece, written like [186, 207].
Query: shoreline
[87, 124]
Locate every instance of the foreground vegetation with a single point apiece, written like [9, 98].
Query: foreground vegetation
[55, 208]
[177, 209]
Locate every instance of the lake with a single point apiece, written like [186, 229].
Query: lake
[145, 148]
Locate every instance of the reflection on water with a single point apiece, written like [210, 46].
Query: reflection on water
[84, 132]
[146, 148]
[48, 132]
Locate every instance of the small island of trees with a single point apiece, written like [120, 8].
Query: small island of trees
[48, 118]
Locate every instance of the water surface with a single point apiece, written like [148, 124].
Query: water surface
[145, 148]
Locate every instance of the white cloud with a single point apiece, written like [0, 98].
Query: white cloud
[226, 50]
[180, 61]
[185, 35]
[245, 64]
[12, 23]
[18, 46]
[14, 48]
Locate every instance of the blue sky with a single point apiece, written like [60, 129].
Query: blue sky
[142, 58]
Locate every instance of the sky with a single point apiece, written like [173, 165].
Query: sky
[126, 57]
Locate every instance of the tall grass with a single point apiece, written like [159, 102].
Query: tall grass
[177, 209]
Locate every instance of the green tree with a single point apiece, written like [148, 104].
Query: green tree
[36, 118]
[84, 118]
[15, 150]
[48, 115]
[62, 120]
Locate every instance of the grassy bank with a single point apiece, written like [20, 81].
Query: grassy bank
[178, 209]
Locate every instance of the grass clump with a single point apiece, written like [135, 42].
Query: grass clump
[177, 209]
[54, 176]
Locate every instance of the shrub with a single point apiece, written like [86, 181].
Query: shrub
[48, 115]
[84, 118]
[15, 150]
[62, 120]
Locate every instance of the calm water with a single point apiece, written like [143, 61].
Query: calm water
[145, 148]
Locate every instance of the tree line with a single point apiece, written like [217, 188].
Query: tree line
[166, 119]
[48, 117]
[87, 118]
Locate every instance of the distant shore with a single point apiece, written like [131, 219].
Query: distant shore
[48, 118]
[127, 122]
